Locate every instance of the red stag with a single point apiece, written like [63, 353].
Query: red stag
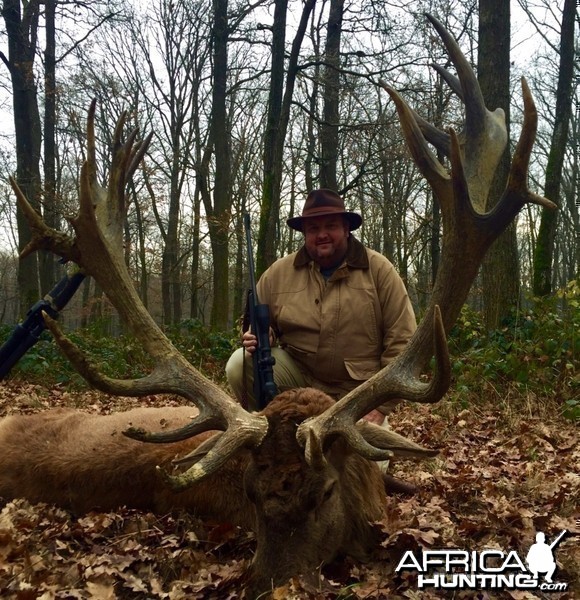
[301, 472]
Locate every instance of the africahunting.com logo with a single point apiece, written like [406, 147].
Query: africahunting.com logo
[486, 569]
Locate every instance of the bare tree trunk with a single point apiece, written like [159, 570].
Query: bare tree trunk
[311, 137]
[219, 221]
[47, 267]
[240, 285]
[271, 183]
[573, 194]
[500, 270]
[274, 144]
[329, 127]
[170, 280]
[544, 251]
[141, 250]
[22, 34]
[194, 310]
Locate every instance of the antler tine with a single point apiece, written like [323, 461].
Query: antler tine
[97, 249]
[475, 110]
[453, 82]
[43, 236]
[227, 445]
[427, 162]
[484, 136]
[518, 178]
[517, 192]
[440, 139]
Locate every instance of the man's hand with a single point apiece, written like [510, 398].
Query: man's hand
[375, 417]
[250, 341]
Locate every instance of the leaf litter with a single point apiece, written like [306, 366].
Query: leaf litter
[496, 482]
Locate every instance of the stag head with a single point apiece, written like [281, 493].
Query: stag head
[308, 455]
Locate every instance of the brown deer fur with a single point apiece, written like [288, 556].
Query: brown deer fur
[83, 461]
[308, 515]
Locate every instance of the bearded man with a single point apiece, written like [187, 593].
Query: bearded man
[339, 312]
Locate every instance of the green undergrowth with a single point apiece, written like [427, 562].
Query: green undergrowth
[534, 356]
[121, 356]
[532, 359]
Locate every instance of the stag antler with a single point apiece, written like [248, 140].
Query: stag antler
[468, 231]
[97, 248]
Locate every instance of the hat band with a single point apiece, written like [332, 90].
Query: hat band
[322, 210]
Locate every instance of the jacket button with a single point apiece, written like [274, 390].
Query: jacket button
[317, 301]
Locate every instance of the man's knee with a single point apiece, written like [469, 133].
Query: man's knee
[235, 371]
[287, 374]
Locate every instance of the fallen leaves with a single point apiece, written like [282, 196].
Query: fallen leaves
[126, 554]
[499, 479]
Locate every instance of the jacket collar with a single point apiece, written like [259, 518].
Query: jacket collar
[356, 255]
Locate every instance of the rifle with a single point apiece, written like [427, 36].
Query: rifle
[264, 387]
[558, 539]
[27, 333]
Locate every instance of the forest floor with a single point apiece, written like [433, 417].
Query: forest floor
[508, 468]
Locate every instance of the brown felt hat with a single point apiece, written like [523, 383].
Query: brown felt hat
[320, 203]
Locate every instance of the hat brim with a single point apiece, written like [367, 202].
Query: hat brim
[354, 219]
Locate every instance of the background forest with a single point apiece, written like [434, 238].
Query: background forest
[252, 105]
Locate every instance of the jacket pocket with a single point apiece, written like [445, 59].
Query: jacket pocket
[362, 369]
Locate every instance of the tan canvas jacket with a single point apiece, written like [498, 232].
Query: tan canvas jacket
[343, 330]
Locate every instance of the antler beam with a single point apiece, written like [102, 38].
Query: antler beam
[97, 247]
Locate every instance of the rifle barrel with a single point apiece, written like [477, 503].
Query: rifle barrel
[251, 267]
[557, 540]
